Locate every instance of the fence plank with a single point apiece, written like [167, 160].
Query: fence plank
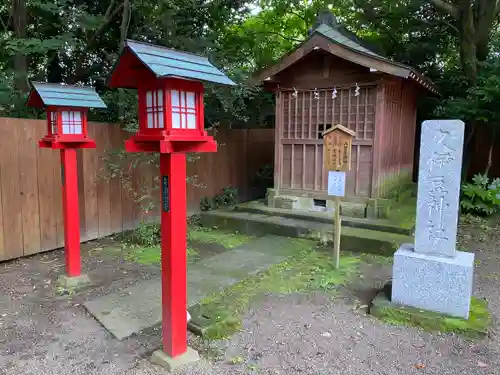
[116, 218]
[89, 180]
[103, 193]
[28, 184]
[81, 195]
[47, 197]
[11, 198]
[58, 208]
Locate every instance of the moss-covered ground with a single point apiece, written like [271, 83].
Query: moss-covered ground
[219, 315]
[228, 240]
[475, 327]
[404, 213]
[201, 242]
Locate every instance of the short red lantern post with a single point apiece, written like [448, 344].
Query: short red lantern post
[66, 107]
[171, 122]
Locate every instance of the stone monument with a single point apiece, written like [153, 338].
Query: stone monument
[432, 274]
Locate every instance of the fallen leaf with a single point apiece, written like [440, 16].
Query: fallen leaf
[420, 366]
[481, 364]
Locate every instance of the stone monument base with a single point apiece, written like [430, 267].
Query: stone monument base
[434, 283]
[160, 358]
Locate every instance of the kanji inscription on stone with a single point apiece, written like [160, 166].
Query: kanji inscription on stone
[440, 168]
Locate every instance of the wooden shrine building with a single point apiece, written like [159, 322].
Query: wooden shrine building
[332, 79]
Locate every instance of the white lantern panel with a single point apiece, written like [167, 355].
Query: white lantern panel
[71, 122]
[190, 100]
[175, 98]
[154, 109]
[53, 122]
[191, 121]
[161, 122]
[183, 109]
[176, 120]
[150, 122]
[159, 95]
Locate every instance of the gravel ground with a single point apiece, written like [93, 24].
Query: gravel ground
[313, 335]
[45, 334]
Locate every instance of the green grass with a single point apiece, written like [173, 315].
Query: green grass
[404, 213]
[227, 239]
[475, 327]
[151, 255]
[310, 270]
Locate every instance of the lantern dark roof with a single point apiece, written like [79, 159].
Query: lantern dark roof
[59, 95]
[335, 40]
[163, 62]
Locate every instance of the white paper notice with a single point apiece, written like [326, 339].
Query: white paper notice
[336, 183]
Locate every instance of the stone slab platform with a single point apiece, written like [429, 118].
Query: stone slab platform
[353, 239]
[382, 225]
[138, 307]
[441, 284]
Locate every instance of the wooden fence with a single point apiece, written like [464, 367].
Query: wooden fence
[30, 183]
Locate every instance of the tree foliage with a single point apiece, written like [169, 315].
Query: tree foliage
[454, 42]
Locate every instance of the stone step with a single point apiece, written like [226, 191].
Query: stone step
[326, 217]
[352, 239]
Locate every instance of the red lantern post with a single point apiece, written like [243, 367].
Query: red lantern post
[171, 122]
[66, 107]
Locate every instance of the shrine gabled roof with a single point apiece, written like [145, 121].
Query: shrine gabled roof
[60, 95]
[166, 62]
[332, 40]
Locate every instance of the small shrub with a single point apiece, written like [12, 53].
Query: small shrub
[218, 201]
[146, 234]
[265, 177]
[206, 204]
[228, 197]
[481, 196]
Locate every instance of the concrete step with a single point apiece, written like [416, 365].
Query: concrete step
[382, 225]
[353, 239]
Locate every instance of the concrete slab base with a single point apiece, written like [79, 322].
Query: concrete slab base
[72, 283]
[160, 358]
[440, 284]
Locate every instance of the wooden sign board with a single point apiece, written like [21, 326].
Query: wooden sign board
[337, 146]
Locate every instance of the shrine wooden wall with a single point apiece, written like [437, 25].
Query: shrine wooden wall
[300, 123]
[30, 183]
[396, 125]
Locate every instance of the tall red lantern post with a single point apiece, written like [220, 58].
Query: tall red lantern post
[171, 122]
[66, 107]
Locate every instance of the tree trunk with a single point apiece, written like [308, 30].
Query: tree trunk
[19, 16]
[468, 49]
[54, 69]
[123, 35]
[490, 152]
[484, 21]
